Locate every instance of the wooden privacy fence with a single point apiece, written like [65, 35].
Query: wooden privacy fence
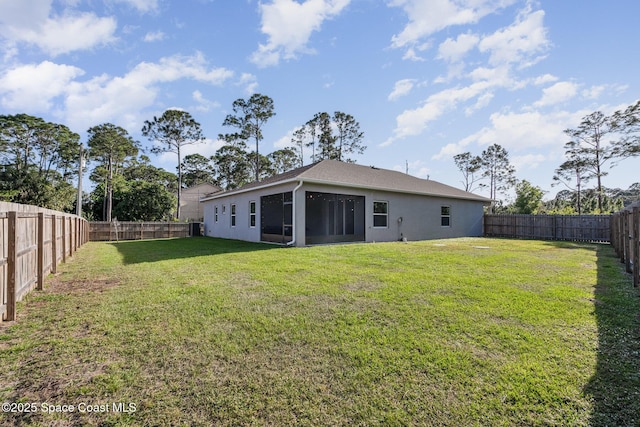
[625, 239]
[116, 230]
[33, 242]
[585, 228]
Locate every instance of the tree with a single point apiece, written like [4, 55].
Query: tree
[528, 198]
[173, 130]
[39, 160]
[110, 145]
[299, 142]
[468, 165]
[349, 136]
[496, 167]
[197, 169]
[577, 168]
[283, 160]
[144, 201]
[141, 192]
[589, 138]
[627, 123]
[232, 166]
[249, 118]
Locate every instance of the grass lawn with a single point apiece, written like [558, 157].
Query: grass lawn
[461, 332]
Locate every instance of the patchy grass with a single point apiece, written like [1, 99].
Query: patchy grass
[462, 332]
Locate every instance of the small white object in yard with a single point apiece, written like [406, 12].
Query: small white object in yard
[482, 247]
[439, 244]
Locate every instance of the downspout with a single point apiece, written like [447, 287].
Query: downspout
[294, 214]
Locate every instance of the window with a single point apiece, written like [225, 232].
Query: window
[445, 216]
[233, 215]
[215, 213]
[380, 214]
[252, 214]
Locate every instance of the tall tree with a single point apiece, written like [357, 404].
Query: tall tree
[232, 166]
[469, 165]
[283, 160]
[197, 169]
[172, 131]
[38, 161]
[590, 136]
[299, 141]
[249, 118]
[349, 136]
[627, 124]
[497, 169]
[576, 169]
[110, 145]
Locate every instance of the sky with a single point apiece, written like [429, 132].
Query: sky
[425, 79]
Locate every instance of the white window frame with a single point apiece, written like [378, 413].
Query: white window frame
[381, 214]
[446, 215]
[253, 215]
[233, 214]
[215, 213]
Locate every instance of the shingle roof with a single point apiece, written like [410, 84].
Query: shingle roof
[334, 172]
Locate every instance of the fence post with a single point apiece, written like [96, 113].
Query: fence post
[11, 265]
[625, 242]
[636, 246]
[64, 239]
[40, 276]
[54, 244]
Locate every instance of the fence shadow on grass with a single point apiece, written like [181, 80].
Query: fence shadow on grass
[615, 384]
[139, 251]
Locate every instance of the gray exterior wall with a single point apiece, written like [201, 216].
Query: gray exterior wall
[242, 231]
[421, 215]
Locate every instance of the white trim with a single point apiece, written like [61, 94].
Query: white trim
[386, 214]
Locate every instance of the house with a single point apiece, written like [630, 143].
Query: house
[331, 201]
[190, 207]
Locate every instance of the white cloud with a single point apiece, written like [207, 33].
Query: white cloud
[250, 83]
[32, 23]
[413, 122]
[428, 17]
[528, 161]
[123, 99]
[518, 131]
[204, 105]
[454, 50]
[154, 36]
[402, 88]
[522, 43]
[289, 25]
[143, 6]
[594, 92]
[514, 46]
[556, 94]
[34, 87]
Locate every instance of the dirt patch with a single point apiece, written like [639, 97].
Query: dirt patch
[57, 285]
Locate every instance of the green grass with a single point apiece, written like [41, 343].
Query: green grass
[461, 332]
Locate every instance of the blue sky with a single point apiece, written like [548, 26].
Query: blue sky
[426, 79]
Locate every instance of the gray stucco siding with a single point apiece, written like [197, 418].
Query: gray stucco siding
[242, 230]
[421, 214]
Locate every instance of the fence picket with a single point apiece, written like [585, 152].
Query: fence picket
[29, 250]
[588, 228]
